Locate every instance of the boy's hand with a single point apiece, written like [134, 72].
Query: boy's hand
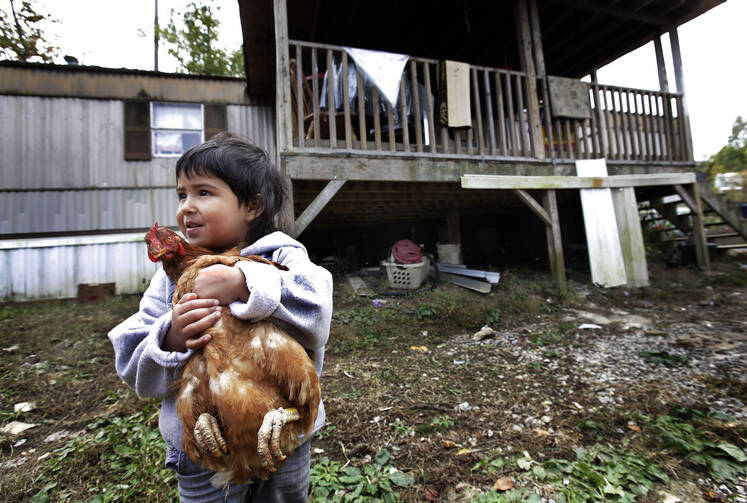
[224, 283]
[190, 317]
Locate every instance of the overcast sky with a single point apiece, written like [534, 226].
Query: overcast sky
[120, 34]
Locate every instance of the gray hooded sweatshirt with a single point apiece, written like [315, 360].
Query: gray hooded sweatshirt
[298, 300]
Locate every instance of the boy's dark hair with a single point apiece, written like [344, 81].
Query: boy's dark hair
[246, 168]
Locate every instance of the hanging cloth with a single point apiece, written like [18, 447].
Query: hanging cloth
[382, 69]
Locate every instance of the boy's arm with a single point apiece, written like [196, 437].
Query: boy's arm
[137, 342]
[300, 299]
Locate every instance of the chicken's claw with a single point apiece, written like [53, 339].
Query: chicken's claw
[268, 436]
[209, 437]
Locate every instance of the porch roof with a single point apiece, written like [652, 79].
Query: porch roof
[578, 35]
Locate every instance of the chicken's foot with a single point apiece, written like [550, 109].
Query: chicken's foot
[209, 437]
[268, 436]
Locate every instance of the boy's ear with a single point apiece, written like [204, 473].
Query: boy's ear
[255, 208]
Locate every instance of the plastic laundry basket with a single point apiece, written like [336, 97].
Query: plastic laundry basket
[407, 276]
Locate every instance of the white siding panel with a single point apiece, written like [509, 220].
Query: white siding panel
[75, 147]
[85, 210]
[79, 143]
[70, 143]
[53, 268]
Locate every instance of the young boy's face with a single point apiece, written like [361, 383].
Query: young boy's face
[209, 213]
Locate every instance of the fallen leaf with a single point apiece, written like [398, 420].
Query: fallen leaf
[634, 427]
[542, 433]
[503, 484]
[714, 496]
[420, 349]
[16, 427]
[24, 407]
[448, 444]
[463, 451]
[483, 333]
[431, 493]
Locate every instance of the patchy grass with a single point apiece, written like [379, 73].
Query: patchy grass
[417, 409]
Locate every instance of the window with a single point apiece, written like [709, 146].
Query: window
[164, 129]
[175, 128]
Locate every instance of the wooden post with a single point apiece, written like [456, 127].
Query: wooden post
[282, 80]
[692, 199]
[554, 239]
[453, 227]
[661, 65]
[283, 138]
[680, 81]
[285, 219]
[528, 65]
[548, 213]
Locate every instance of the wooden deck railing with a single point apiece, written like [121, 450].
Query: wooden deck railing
[624, 125]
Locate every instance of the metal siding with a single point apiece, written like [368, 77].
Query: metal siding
[70, 143]
[76, 144]
[257, 123]
[54, 271]
[85, 210]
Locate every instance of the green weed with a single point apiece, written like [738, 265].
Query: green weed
[664, 358]
[512, 496]
[493, 318]
[702, 441]
[424, 311]
[124, 454]
[326, 432]
[401, 429]
[442, 423]
[375, 482]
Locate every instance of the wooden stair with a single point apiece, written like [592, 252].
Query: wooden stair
[670, 220]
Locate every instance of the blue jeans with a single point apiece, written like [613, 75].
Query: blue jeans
[290, 484]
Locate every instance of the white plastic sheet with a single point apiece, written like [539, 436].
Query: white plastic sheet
[382, 69]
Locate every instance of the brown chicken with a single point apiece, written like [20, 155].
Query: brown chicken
[247, 396]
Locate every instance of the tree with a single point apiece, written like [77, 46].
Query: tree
[194, 45]
[21, 38]
[733, 156]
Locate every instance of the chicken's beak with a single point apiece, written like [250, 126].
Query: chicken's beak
[155, 257]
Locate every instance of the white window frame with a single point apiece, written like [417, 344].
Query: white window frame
[154, 129]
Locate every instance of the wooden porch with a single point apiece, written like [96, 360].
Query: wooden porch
[512, 120]
[351, 156]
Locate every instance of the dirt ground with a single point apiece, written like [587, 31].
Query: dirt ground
[409, 374]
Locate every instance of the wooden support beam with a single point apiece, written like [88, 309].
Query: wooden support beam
[569, 182]
[282, 78]
[692, 199]
[453, 227]
[685, 196]
[679, 78]
[536, 207]
[661, 65]
[317, 205]
[539, 53]
[285, 218]
[526, 57]
[554, 239]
